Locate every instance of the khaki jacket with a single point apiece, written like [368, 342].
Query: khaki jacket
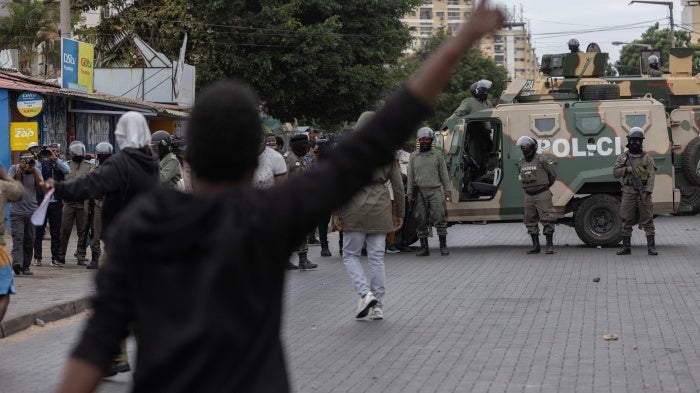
[370, 210]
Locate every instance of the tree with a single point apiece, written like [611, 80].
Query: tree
[316, 60]
[474, 66]
[28, 25]
[659, 39]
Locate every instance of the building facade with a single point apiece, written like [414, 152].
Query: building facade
[510, 47]
[690, 19]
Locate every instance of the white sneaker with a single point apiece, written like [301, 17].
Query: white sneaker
[376, 313]
[366, 302]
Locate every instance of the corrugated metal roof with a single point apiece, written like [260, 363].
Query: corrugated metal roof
[15, 81]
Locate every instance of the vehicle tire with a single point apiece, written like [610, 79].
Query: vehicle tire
[599, 92]
[597, 221]
[689, 161]
[690, 198]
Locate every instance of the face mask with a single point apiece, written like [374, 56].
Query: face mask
[635, 146]
[528, 152]
[425, 146]
[101, 158]
[77, 159]
[300, 148]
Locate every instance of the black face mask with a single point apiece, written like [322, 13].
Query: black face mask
[101, 158]
[635, 146]
[300, 148]
[425, 146]
[482, 96]
[529, 152]
[77, 159]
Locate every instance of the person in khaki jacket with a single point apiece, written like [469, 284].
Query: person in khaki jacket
[537, 175]
[427, 180]
[74, 211]
[13, 191]
[635, 166]
[367, 219]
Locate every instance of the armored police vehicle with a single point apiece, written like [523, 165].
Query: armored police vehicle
[581, 134]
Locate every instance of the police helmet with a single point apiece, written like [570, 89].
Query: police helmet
[526, 141]
[77, 149]
[161, 138]
[653, 59]
[104, 148]
[480, 87]
[574, 42]
[635, 132]
[425, 132]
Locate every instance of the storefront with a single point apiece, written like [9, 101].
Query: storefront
[34, 111]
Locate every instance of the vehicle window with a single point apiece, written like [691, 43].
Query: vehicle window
[589, 123]
[545, 125]
[635, 120]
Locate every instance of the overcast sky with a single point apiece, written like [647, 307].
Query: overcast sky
[553, 22]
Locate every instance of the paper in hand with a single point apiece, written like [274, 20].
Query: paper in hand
[40, 213]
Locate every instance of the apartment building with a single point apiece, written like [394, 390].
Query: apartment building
[690, 19]
[509, 47]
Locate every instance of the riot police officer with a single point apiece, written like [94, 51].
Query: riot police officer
[296, 164]
[537, 175]
[574, 45]
[103, 151]
[426, 174]
[655, 66]
[637, 171]
[477, 102]
[170, 169]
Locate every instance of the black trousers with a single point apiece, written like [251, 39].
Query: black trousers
[323, 231]
[53, 217]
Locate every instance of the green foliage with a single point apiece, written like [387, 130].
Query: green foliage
[325, 60]
[28, 24]
[659, 39]
[474, 66]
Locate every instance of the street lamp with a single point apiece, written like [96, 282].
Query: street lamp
[645, 46]
[669, 4]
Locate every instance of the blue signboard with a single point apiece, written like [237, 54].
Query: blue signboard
[69, 64]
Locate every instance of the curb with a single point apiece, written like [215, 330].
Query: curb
[49, 314]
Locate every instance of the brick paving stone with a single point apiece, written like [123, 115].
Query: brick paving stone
[486, 318]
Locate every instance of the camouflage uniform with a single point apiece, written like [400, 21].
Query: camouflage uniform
[426, 174]
[632, 203]
[537, 176]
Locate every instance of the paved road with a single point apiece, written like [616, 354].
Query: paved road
[487, 318]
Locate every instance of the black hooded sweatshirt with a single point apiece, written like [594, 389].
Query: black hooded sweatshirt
[201, 276]
[121, 178]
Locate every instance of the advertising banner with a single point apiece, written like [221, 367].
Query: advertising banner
[77, 61]
[30, 104]
[22, 133]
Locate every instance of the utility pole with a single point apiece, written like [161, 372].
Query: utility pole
[65, 19]
[669, 4]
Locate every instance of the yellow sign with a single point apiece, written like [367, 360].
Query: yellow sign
[86, 57]
[22, 133]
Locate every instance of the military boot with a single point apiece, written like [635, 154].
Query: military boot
[94, 263]
[651, 245]
[443, 245]
[549, 247]
[424, 251]
[535, 245]
[625, 249]
[304, 263]
[291, 266]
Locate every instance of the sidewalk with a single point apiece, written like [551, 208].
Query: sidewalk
[51, 293]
